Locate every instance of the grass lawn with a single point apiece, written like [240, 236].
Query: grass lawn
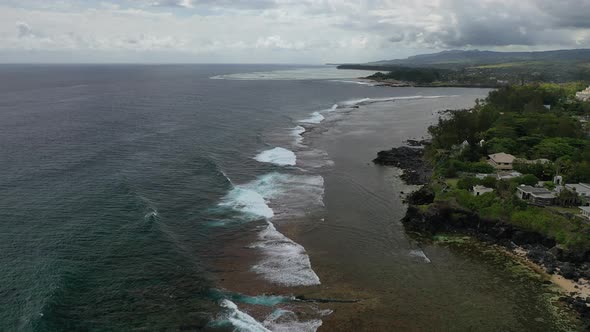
[452, 182]
[572, 210]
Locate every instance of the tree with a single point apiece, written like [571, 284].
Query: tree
[467, 183]
[527, 179]
[489, 181]
[567, 198]
[553, 148]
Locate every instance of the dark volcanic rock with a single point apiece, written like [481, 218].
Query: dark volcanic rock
[444, 218]
[424, 195]
[410, 160]
[413, 142]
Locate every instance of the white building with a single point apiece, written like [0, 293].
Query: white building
[583, 95]
[583, 189]
[534, 195]
[585, 211]
[508, 175]
[480, 190]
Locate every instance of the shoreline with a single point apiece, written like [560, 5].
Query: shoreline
[438, 219]
[401, 84]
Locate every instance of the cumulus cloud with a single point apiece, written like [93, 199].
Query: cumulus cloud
[24, 30]
[299, 30]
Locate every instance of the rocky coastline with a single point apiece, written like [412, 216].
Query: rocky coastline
[410, 160]
[425, 217]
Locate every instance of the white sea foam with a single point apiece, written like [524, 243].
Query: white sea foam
[367, 101]
[286, 320]
[354, 102]
[418, 253]
[241, 320]
[313, 158]
[297, 132]
[355, 82]
[286, 262]
[278, 156]
[278, 321]
[316, 117]
[313, 73]
[247, 201]
[290, 195]
[276, 195]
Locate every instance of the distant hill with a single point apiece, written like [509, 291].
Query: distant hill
[457, 58]
[486, 66]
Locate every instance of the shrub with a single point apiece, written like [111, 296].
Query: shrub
[467, 183]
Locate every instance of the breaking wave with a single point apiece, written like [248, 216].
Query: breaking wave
[240, 320]
[367, 101]
[286, 262]
[297, 132]
[355, 82]
[282, 320]
[276, 195]
[278, 321]
[247, 201]
[419, 253]
[279, 195]
[278, 156]
[315, 118]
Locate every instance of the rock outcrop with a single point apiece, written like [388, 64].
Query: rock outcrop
[411, 160]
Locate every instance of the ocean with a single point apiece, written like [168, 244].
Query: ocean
[230, 197]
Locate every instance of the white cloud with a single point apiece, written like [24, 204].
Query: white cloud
[285, 30]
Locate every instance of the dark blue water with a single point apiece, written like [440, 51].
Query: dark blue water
[128, 194]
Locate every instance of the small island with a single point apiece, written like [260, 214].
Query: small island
[513, 171]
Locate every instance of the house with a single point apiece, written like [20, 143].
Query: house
[585, 211]
[508, 175]
[582, 189]
[583, 95]
[501, 161]
[536, 196]
[482, 176]
[480, 190]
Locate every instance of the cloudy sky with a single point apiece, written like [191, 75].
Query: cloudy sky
[281, 31]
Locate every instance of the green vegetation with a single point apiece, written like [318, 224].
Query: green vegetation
[417, 75]
[514, 120]
[486, 68]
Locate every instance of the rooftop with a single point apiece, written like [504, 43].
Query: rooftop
[511, 174]
[579, 187]
[584, 208]
[502, 157]
[480, 188]
[534, 190]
